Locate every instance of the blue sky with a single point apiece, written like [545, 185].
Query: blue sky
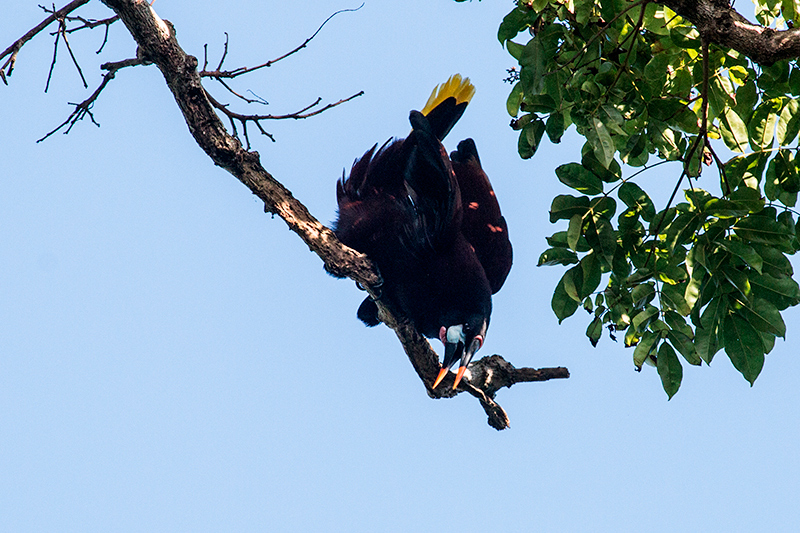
[173, 359]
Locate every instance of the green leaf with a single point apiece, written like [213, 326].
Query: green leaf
[738, 74]
[514, 99]
[600, 139]
[745, 169]
[644, 317]
[555, 127]
[685, 37]
[788, 123]
[563, 305]
[643, 294]
[634, 197]
[761, 129]
[714, 313]
[579, 178]
[644, 348]
[678, 323]
[738, 279]
[557, 256]
[634, 152]
[559, 239]
[743, 346]
[655, 19]
[513, 23]
[669, 369]
[565, 206]
[574, 231]
[671, 274]
[664, 139]
[774, 262]
[603, 207]
[693, 287]
[573, 283]
[601, 237]
[746, 99]
[748, 198]
[721, 208]
[682, 229]
[788, 9]
[706, 343]
[733, 130]
[762, 228]
[530, 137]
[782, 177]
[744, 252]
[588, 160]
[619, 264]
[782, 291]
[698, 198]
[540, 103]
[674, 297]
[683, 343]
[765, 317]
[594, 330]
[533, 62]
[590, 267]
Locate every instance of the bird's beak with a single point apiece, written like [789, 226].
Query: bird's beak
[455, 341]
[452, 352]
[474, 346]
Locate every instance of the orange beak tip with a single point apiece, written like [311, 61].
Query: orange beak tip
[460, 374]
[440, 377]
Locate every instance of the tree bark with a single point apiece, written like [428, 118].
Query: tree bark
[719, 23]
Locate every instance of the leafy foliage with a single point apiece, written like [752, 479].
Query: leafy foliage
[692, 277]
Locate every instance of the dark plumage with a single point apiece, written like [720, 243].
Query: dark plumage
[432, 225]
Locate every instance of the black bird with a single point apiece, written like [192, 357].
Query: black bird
[432, 225]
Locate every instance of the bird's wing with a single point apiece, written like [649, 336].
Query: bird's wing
[405, 194]
[483, 225]
[432, 194]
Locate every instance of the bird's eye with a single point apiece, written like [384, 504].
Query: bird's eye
[443, 335]
[479, 340]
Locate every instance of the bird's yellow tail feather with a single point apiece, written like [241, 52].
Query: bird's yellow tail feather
[456, 86]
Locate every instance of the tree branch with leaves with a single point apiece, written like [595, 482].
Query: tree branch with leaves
[671, 81]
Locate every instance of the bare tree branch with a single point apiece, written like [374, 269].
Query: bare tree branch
[256, 119]
[92, 24]
[220, 76]
[8, 66]
[85, 108]
[158, 44]
[61, 33]
[218, 73]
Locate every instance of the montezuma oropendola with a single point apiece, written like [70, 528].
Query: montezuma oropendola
[432, 225]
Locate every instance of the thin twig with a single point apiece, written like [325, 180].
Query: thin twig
[15, 47]
[92, 24]
[634, 32]
[256, 119]
[62, 31]
[52, 63]
[701, 136]
[84, 109]
[219, 73]
[597, 36]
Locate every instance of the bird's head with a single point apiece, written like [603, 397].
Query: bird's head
[461, 341]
